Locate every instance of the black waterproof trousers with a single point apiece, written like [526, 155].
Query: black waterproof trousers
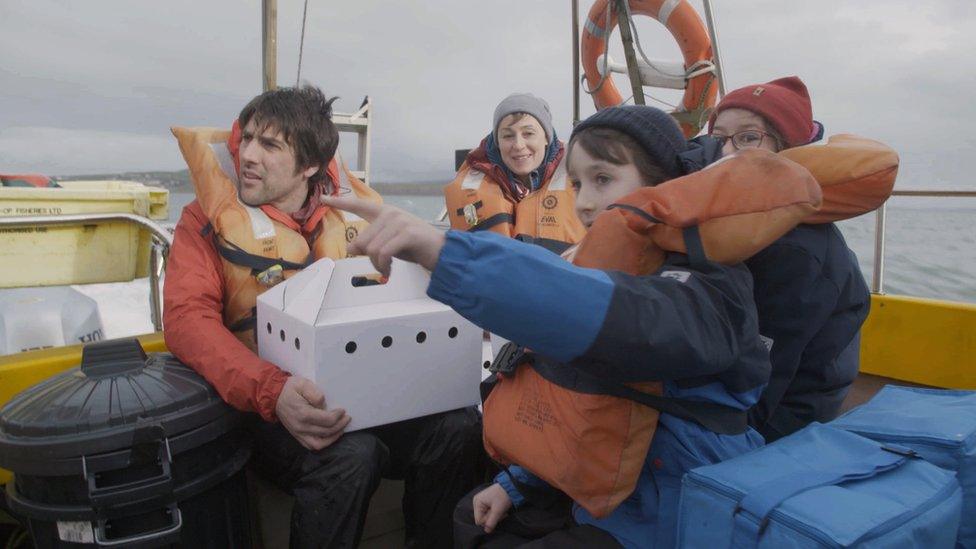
[439, 458]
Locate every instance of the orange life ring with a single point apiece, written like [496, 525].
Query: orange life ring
[688, 30]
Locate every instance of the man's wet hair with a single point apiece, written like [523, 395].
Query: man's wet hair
[304, 118]
[616, 147]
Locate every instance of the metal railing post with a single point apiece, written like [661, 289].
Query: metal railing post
[713, 34]
[157, 266]
[877, 279]
[576, 63]
[161, 242]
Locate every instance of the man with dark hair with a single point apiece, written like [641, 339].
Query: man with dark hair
[258, 216]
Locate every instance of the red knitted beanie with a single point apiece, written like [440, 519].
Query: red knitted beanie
[783, 103]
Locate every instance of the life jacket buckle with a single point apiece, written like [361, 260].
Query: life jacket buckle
[270, 276]
[507, 359]
[470, 212]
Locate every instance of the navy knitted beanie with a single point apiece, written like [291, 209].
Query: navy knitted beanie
[651, 127]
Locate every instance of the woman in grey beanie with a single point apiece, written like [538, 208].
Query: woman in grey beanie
[514, 183]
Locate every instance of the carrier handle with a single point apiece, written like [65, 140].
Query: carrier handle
[751, 515]
[102, 541]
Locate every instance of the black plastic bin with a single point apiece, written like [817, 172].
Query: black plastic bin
[126, 451]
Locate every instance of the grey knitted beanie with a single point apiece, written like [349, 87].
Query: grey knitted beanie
[527, 103]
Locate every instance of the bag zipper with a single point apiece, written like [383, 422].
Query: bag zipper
[919, 439]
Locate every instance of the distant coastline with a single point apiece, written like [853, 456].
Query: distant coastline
[179, 182]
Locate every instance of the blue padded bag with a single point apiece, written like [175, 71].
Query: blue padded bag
[820, 487]
[939, 425]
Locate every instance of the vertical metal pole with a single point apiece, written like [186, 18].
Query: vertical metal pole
[269, 43]
[576, 64]
[363, 152]
[628, 40]
[713, 35]
[157, 258]
[877, 280]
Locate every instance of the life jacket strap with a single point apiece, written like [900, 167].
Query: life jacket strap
[715, 417]
[477, 206]
[551, 244]
[496, 219]
[636, 210]
[694, 247]
[257, 263]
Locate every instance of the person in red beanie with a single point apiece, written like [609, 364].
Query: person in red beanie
[776, 115]
[809, 290]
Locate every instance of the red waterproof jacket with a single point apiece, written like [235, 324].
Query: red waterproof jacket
[195, 332]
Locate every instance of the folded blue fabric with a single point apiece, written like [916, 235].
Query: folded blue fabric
[938, 424]
[821, 487]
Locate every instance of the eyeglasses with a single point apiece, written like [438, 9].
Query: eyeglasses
[747, 139]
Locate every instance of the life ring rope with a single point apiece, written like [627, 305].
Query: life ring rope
[633, 31]
[599, 33]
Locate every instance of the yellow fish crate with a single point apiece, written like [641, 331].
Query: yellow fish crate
[89, 252]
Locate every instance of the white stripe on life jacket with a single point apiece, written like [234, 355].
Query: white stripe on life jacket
[261, 224]
[558, 181]
[472, 180]
[225, 160]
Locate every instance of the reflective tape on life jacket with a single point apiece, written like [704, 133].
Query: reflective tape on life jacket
[688, 31]
[590, 439]
[258, 246]
[546, 216]
[856, 174]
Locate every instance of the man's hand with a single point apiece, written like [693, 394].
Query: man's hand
[301, 409]
[392, 232]
[491, 505]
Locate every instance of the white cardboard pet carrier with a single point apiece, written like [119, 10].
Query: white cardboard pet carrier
[383, 352]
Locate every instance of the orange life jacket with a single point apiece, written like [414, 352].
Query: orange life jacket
[260, 247]
[592, 446]
[856, 174]
[546, 216]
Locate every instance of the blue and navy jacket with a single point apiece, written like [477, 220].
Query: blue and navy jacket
[695, 329]
[812, 300]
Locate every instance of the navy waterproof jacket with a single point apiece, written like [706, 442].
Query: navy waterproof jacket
[812, 300]
[693, 327]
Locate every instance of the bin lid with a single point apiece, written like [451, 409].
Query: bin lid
[117, 391]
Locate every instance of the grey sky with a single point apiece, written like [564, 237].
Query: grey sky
[92, 87]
